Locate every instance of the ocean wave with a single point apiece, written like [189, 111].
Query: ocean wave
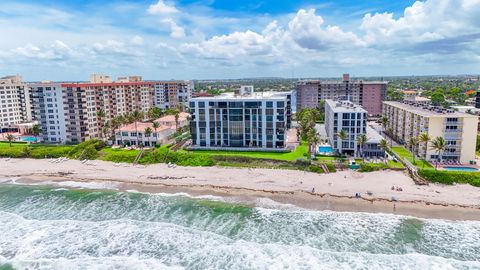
[59, 228]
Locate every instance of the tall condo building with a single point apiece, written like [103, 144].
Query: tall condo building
[15, 105]
[368, 94]
[351, 118]
[253, 121]
[409, 119]
[49, 111]
[173, 94]
[123, 97]
[68, 112]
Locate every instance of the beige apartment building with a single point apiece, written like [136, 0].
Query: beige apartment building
[409, 119]
[15, 106]
[124, 96]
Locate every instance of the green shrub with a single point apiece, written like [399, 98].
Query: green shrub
[26, 151]
[450, 177]
[120, 155]
[90, 152]
[50, 151]
[330, 167]
[13, 152]
[315, 169]
[371, 167]
[78, 150]
[302, 162]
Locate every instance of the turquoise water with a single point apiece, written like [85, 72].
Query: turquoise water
[325, 149]
[28, 139]
[463, 169]
[45, 228]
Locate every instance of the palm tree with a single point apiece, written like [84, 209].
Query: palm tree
[413, 142]
[122, 120]
[177, 117]
[361, 141]
[147, 133]
[390, 135]
[100, 116]
[439, 144]
[384, 123]
[114, 125]
[155, 126]
[342, 135]
[383, 144]
[312, 140]
[36, 130]
[10, 138]
[424, 138]
[136, 116]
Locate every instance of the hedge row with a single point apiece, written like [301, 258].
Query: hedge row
[450, 177]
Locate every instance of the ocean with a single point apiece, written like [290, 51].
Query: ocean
[57, 228]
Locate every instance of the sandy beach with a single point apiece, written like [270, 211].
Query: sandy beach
[334, 191]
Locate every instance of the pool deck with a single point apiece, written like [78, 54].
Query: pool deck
[460, 167]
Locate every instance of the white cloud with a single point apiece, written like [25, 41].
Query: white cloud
[443, 34]
[176, 31]
[162, 8]
[307, 31]
[137, 40]
[56, 51]
[424, 21]
[167, 13]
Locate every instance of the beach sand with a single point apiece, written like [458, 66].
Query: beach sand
[335, 191]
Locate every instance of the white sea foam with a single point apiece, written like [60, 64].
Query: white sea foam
[127, 244]
[53, 230]
[87, 185]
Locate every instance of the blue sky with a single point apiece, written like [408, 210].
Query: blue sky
[215, 39]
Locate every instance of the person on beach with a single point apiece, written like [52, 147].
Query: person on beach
[313, 190]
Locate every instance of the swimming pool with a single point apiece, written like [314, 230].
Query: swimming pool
[325, 149]
[28, 139]
[463, 169]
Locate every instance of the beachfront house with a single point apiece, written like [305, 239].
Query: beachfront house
[350, 119]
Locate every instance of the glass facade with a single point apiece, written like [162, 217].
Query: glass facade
[240, 123]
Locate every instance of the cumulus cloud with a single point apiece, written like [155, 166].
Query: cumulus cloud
[56, 51]
[176, 31]
[424, 35]
[304, 32]
[167, 13]
[427, 21]
[307, 30]
[162, 8]
[137, 40]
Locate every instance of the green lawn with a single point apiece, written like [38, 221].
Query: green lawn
[300, 152]
[395, 165]
[14, 144]
[404, 153]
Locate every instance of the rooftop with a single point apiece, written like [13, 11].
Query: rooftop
[253, 96]
[344, 106]
[171, 118]
[373, 136]
[339, 82]
[427, 110]
[141, 126]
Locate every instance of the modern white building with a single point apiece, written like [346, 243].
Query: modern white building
[254, 121]
[409, 119]
[352, 118]
[15, 106]
[47, 99]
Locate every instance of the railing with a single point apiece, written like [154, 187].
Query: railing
[412, 170]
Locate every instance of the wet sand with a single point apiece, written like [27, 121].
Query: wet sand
[334, 191]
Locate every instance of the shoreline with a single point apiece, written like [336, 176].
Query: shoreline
[241, 186]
